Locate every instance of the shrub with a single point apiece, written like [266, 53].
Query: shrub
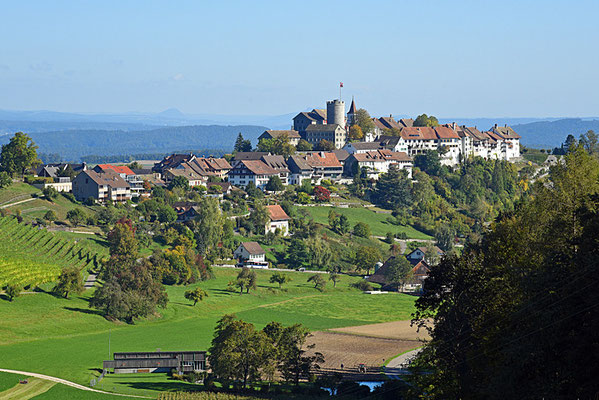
[13, 291]
[362, 229]
[362, 285]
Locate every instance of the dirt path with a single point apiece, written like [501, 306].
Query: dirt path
[16, 203]
[65, 382]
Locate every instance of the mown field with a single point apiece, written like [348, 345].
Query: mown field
[64, 338]
[377, 221]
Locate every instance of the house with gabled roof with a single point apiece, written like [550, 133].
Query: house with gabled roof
[378, 162]
[419, 273]
[134, 180]
[254, 171]
[251, 254]
[278, 219]
[291, 134]
[101, 186]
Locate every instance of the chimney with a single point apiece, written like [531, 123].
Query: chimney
[506, 125]
[495, 126]
[390, 115]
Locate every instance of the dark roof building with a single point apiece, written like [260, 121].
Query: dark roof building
[157, 361]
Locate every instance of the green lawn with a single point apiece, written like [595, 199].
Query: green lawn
[17, 192]
[59, 337]
[377, 221]
[9, 380]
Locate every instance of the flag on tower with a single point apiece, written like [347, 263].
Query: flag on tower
[340, 84]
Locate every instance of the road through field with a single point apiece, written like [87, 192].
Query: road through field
[65, 382]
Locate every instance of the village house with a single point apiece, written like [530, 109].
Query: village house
[414, 282]
[134, 180]
[299, 169]
[101, 186]
[278, 219]
[197, 170]
[257, 172]
[293, 135]
[378, 162]
[277, 163]
[250, 254]
[420, 253]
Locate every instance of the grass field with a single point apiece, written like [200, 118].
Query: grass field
[377, 221]
[17, 192]
[64, 338]
[32, 389]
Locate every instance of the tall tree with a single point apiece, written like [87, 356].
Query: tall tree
[366, 257]
[19, 154]
[502, 312]
[69, 281]
[590, 142]
[425, 120]
[364, 121]
[238, 351]
[393, 189]
[278, 145]
[241, 144]
[208, 227]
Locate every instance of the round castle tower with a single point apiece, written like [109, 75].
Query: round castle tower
[336, 112]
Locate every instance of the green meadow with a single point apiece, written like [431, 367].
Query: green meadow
[65, 338]
[377, 220]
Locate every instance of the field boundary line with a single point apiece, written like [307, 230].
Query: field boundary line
[68, 383]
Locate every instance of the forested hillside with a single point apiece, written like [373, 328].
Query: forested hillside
[550, 134]
[74, 144]
[515, 315]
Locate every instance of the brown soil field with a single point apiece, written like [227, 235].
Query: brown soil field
[392, 330]
[352, 350]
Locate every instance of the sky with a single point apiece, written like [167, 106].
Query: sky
[449, 58]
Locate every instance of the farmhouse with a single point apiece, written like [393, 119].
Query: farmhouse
[278, 220]
[420, 253]
[419, 273]
[251, 254]
[158, 361]
[101, 186]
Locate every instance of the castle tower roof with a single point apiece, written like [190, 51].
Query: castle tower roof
[352, 108]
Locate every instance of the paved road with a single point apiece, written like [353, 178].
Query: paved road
[65, 382]
[397, 367]
[275, 269]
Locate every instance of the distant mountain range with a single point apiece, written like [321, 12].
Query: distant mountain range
[74, 135]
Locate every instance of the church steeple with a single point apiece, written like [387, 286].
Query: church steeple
[351, 114]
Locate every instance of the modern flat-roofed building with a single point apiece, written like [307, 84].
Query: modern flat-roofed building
[157, 361]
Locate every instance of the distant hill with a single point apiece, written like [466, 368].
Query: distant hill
[549, 134]
[74, 144]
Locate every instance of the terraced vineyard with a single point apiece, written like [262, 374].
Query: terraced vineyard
[30, 256]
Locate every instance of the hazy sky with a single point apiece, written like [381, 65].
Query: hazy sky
[443, 57]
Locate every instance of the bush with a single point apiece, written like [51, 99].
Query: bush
[50, 216]
[13, 291]
[362, 285]
[71, 197]
[362, 229]
[90, 201]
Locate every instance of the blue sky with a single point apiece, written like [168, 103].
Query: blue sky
[447, 58]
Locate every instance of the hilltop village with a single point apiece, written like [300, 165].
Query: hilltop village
[329, 144]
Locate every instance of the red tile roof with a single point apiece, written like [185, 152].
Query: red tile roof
[119, 169]
[258, 167]
[322, 159]
[428, 133]
[253, 247]
[277, 213]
